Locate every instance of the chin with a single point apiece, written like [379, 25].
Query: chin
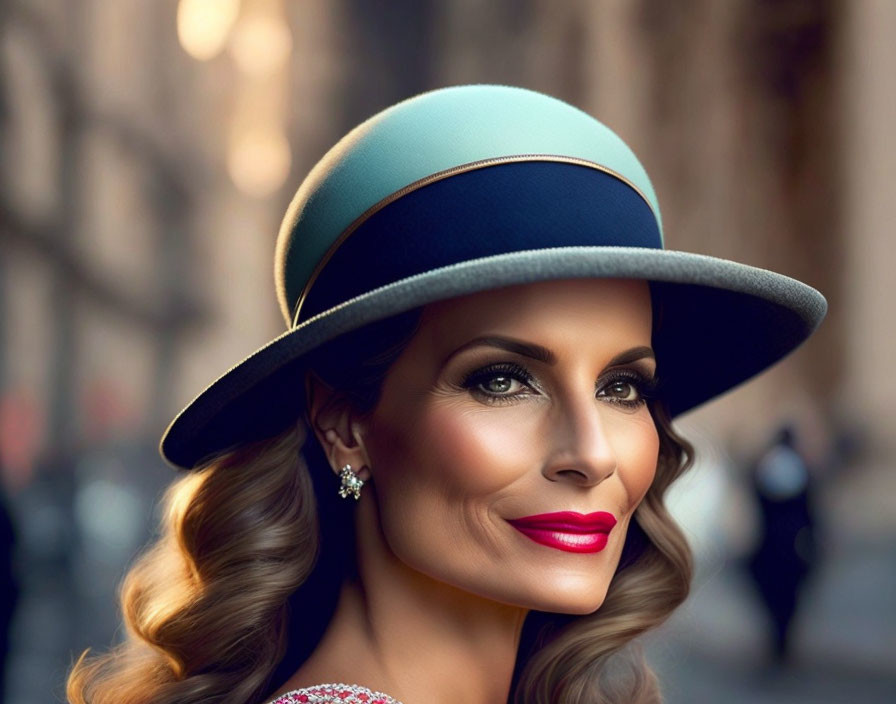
[576, 597]
[575, 605]
[579, 609]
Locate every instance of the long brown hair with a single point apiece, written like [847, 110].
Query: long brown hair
[238, 589]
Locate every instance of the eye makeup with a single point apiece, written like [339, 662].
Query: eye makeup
[502, 382]
[643, 386]
[508, 373]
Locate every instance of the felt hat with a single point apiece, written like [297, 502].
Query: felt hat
[471, 188]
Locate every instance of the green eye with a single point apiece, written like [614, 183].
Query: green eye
[498, 384]
[623, 391]
[499, 381]
[627, 388]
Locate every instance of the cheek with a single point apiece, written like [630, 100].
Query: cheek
[480, 451]
[461, 452]
[439, 478]
[637, 449]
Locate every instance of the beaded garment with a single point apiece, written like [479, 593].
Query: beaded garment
[334, 694]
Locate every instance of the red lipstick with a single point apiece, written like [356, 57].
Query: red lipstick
[567, 530]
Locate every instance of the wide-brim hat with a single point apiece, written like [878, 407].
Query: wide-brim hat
[472, 188]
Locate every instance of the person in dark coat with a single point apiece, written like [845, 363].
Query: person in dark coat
[786, 552]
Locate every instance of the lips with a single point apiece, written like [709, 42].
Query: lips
[567, 530]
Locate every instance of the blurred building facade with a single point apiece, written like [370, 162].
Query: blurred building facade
[150, 148]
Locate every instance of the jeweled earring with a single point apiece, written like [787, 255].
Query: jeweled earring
[350, 483]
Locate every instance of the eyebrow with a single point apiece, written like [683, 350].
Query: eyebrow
[543, 354]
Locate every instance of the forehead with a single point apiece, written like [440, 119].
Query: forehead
[565, 310]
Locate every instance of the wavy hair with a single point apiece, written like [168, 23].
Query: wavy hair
[237, 591]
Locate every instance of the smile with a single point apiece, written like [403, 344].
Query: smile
[567, 530]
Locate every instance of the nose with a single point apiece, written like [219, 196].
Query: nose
[582, 452]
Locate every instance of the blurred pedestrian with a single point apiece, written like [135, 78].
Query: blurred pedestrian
[786, 552]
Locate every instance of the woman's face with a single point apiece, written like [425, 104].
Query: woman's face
[509, 405]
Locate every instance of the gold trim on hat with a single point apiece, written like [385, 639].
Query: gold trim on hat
[438, 176]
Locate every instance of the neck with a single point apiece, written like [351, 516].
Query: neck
[419, 640]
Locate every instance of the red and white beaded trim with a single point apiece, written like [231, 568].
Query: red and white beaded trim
[334, 694]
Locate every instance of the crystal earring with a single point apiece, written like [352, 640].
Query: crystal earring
[350, 483]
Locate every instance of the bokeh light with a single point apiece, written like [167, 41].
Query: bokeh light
[261, 44]
[259, 160]
[203, 26]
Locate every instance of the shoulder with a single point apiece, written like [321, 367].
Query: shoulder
[334, 694]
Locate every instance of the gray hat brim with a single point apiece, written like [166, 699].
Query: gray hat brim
[743, 317]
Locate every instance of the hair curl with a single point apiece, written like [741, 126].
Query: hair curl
[251, 552]
[205, 607]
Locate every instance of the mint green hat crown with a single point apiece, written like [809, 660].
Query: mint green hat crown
[435, 134]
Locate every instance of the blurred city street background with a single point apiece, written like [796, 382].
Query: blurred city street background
[148, 149]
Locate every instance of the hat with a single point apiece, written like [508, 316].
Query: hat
[471, 188]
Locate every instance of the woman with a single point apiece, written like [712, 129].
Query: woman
[444, 482]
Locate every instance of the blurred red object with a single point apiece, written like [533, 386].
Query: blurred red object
[21, 433]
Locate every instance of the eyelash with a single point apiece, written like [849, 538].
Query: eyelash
[644, 386]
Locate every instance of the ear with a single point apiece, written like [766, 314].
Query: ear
[337, 426]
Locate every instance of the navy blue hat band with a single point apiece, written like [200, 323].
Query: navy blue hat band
[497, 209]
